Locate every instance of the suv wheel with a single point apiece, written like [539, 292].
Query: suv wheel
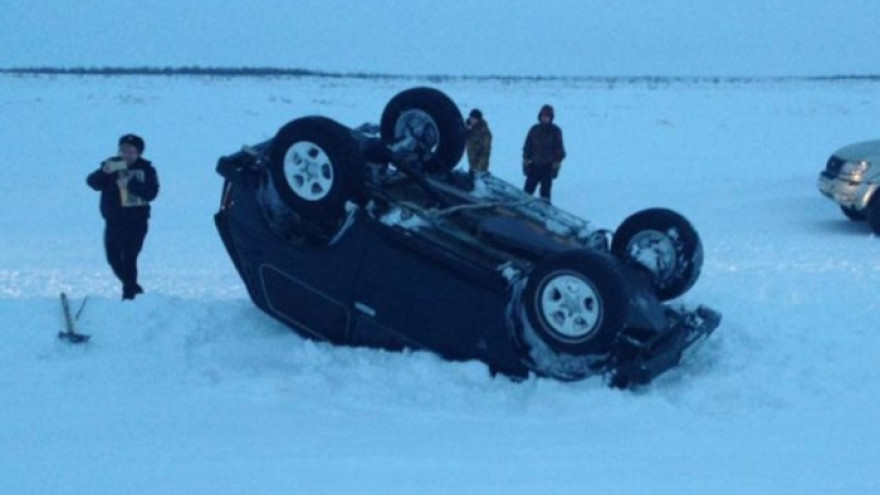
[431, 120]
[577, 302]
[873, 214]
[570, 312]
[664, 243]
[853, 214]
[316, 167]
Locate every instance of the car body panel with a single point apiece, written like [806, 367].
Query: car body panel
[864, 150]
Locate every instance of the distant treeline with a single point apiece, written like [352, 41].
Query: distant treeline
[294, 72]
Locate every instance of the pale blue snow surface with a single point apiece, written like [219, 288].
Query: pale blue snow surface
[191, 389]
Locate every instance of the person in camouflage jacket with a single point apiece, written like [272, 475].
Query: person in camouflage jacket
[543, 153]
[479, 143]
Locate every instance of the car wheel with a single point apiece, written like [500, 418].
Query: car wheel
[854, 214]
[576, 303]
[873, 214]
[666, 245]
[431, 120]
[316, 167]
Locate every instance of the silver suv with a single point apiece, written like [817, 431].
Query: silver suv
[851, 177]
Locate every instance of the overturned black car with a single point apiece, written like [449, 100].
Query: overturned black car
[369, 236]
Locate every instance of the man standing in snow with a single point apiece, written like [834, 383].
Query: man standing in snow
[127, 184]
[479, 143]
[543, 153]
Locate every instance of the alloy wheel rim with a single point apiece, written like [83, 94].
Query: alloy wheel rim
[570, 306]
[308, 171]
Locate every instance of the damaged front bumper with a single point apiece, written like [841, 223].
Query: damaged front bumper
[641, 355]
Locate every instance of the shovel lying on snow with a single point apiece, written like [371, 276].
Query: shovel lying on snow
[69, 334]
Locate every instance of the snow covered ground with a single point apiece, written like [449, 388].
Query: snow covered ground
[190, 389]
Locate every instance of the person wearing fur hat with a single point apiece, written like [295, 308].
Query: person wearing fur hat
[127, 183]
[543, 153]
[479, 143]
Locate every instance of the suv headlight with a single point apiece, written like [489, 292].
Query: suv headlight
[855, 169]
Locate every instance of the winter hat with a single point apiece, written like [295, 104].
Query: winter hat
[134, 140]
[476, 114]
[546, 110]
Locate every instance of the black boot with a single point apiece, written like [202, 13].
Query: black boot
[130, 290]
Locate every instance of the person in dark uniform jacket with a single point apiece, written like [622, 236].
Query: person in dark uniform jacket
[543, 153]
[127, 183]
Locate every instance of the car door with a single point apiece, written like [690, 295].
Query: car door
[411, 292]
[311, 287]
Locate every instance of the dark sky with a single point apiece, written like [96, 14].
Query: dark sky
[507, 37]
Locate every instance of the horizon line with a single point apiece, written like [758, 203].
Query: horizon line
[263, 71]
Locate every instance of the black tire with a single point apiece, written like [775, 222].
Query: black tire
[666, 245]
[431, 117]
[576, 303]
[316, 167]
[853, 214]
[873, 213]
